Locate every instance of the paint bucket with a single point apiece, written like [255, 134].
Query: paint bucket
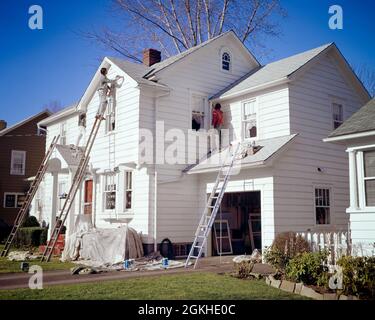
[165, 262]
[25, 266]
[127, 264]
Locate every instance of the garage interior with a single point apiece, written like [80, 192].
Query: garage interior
[241, 214]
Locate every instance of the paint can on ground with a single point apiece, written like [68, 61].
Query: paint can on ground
[127, 264]
[25, 266]
[165, 263]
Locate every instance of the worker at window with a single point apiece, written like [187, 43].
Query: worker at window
[218, 120]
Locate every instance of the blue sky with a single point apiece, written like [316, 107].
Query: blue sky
[56, 64]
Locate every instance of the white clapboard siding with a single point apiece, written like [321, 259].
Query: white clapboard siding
[296, 174]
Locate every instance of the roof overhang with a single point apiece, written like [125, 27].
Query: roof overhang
[268, 161]
[58, 116]
[19, 124]
[262, 86]
[351, 136]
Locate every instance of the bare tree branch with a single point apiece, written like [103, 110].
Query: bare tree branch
[174, 26]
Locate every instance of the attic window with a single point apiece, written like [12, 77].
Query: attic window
[225, 61]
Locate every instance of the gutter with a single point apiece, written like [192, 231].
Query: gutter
[350, 136]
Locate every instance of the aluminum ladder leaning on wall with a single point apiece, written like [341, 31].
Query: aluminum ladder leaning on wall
[217, 194]
[29, 196]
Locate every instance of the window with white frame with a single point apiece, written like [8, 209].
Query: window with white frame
[13, 200]
[18, 163]
[63, 133]
[128, 190]
[369, 177]
[249, 119]
[198, 110]
[337, 114]
[109, 191]
[110, 116]
[62, 194]
[322, 206]
[225, 61]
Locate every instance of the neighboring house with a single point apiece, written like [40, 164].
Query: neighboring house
[22, 150]
[357, 134]
[294, 182]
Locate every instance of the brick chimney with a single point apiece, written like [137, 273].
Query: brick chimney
[151, 56]
[3, 124]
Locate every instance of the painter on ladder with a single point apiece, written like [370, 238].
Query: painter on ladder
[104, 91]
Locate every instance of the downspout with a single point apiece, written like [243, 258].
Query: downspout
[155, 173]
[155, 212]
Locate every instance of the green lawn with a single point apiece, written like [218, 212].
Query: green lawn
[195, 286]
[7, 266]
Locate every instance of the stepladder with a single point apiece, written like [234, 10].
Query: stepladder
[22, 213]
[212, 206]
[75, 186]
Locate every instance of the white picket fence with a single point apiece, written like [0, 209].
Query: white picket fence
[337, 242]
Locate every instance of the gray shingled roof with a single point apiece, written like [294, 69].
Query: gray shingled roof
[136, 71]
[270, 148]
[361, 121]
[271, 72]
[71, 157]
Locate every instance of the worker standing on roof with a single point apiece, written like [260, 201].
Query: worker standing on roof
[104, 91]
[218, 120]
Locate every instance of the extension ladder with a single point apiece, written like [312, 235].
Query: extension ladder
[78, 177]
[207, 220]
[29, 196]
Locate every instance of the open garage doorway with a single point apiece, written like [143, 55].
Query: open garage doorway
[237, 229]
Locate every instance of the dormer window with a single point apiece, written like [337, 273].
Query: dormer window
[225, 61]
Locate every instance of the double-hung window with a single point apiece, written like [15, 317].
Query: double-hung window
[63, 131]
[322, 206]
[128, 190]
[18, 163]
[62, 194]
[369, 177]
[13, 200]
[337, 114]
[249, 119]
[198, 109]
[110, 116]
[109, 191]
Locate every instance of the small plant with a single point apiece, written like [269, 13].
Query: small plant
[358, 276]
[309, 268]
[286, 246]
[243, 269]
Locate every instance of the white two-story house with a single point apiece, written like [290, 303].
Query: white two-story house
[294, 182]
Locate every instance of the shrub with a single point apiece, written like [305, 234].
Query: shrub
[4, 230]
[358, 276]
[309, 268]
[43, 236]
[30, 221]
[28, 237]
[286, 246]
[243, 269]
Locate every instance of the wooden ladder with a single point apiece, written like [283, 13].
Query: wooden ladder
[78, 177]
[29, 196]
